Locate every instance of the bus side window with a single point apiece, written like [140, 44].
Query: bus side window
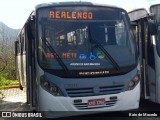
[16, 48]
[23, 42]
[19, 45]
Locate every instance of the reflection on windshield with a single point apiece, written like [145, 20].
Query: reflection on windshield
[99, 45]
[51, 49]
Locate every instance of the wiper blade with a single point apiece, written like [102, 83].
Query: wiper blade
[114, 63]
[59, 60]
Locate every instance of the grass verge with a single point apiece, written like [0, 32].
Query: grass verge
[5, 82]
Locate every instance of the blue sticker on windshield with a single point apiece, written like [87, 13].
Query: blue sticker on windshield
[82, 56]
[92, 56]
[86, 56]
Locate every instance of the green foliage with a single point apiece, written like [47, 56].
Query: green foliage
[9, 72]
[5, 82]
[7, 56]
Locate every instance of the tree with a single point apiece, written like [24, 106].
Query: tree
[7, 60]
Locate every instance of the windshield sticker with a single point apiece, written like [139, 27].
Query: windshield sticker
[90, 55]
[85, 64]
[81, 56]
[70, 15]
[100, 55]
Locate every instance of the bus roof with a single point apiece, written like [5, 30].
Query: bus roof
[73, 3]
[139, 13]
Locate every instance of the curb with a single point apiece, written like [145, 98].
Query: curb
[6, 87]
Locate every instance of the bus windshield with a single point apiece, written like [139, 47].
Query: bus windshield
[71, 35]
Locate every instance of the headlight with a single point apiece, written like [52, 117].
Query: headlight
[132, 84]
[50, 87]
[46, 84]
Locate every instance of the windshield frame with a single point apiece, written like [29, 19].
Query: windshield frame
[75, 73]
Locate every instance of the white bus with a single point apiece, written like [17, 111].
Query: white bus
[147, 30]
[78, 56]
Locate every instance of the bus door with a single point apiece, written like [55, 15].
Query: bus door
[146, 59]
[155, 83]
[30, 63]
[157, 64]
[148, 62]
[137, 30]
[155, 9]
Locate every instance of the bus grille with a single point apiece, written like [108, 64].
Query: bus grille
[105, 90]
[81, 106]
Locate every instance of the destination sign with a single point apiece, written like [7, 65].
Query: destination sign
[70, 15]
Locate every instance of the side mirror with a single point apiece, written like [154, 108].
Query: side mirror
[152, 27]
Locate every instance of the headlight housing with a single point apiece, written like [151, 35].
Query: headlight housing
[132, 84]
[50, 87]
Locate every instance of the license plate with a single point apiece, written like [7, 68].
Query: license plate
[94, 102]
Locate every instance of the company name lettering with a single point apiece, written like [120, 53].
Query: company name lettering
[94, 73]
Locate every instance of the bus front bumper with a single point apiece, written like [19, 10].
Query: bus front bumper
[66, 106]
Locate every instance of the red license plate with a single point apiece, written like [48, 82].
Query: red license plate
[95, 102]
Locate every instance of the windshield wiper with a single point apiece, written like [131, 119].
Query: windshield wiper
[114, 63]
[51, 49]
[59, 60]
